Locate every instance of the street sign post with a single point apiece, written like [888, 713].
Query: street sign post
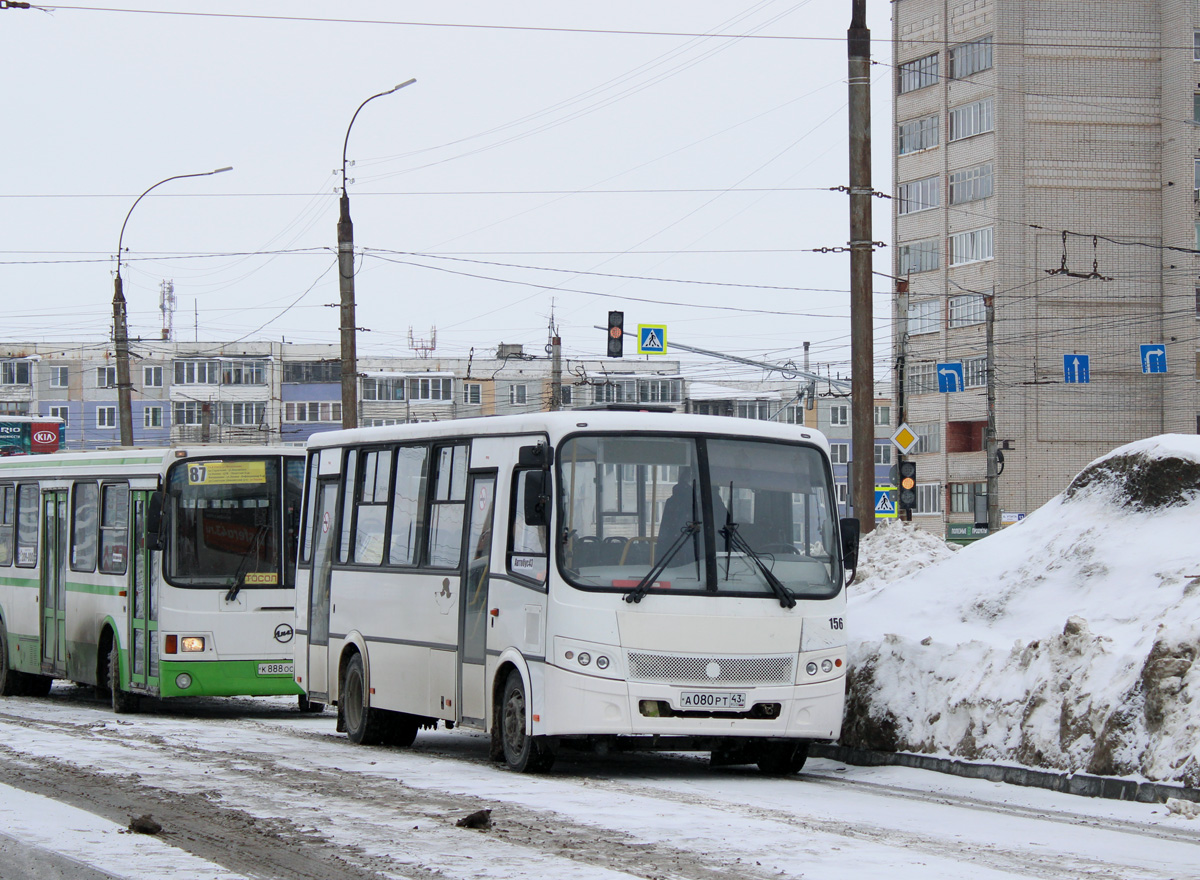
[652, 338]
[1154, 358]
[904, 439]
[950, 377]
[1076, 369]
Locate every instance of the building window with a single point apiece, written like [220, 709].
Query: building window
[383, 389]
[839, 453]
[1196, 107]
[59, 377]
[660, 390]
[312, 371]
[197, 372]
[966, 436]
[963, 495]
[472, 393]
[971, 184]
[883, 416]
[793, 415]
[971, 247]
[566, 395]
[106, 417]
[929, 436]
[152, 417]
[61, 412]
[839, 415]
[843, 493]
[106, 377]
[14, 407]
[1196, 45]
[966, 310]
[248, 413]
[152, 377]
[970, 58]
[921, 378]
[918, 134]
[754, 409]
[243, 372]
[971, 119]
[14, 373]
[883, 453]
[918, 73]
[924, 316]
[431, 389]
[975, 372]
[617, 391]
[1198, 303]
[315, 411]
[920, 256]
[188, 412]
[516, 394]
[919, 195]
[929, 498]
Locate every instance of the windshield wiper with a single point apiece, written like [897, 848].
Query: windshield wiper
[643, 586]
[737, 542]
[252, 550]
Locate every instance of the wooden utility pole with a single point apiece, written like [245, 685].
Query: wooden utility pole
[862, 344]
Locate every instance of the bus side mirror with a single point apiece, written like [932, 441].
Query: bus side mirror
[537, 456]
[850, 533]
[536, 498]
[156, 537]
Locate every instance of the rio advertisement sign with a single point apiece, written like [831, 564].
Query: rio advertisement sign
[26, 436]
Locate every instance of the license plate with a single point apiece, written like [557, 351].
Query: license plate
[276, 668]
[707, 700]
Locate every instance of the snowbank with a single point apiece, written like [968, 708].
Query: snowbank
[1067, 641]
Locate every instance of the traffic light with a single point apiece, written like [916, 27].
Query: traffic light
[908, 484]
[616, 334]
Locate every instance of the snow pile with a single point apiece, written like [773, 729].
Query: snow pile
[1067, 641]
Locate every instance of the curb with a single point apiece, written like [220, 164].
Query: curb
[1081, 784]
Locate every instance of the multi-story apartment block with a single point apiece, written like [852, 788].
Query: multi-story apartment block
[1041, 155]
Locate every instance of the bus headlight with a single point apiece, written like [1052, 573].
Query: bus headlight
[811, 668]
[827, 666]
[191, 644]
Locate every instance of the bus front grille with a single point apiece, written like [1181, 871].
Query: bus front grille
[679, 669]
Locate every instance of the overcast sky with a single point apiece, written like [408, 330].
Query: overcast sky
[584, 157]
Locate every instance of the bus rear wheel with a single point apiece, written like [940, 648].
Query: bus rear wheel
[304, 704]
[11, 681]
[123, 702]
[363, 724]
[522, 752]
[782, 758]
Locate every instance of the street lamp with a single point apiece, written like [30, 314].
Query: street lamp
[121, 322]
[345, 239]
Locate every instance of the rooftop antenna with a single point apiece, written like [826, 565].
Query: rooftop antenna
[167, 304]
[423, 347]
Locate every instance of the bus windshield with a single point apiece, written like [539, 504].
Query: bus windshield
[228, 525]
[700, 514]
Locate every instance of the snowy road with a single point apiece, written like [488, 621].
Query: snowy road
[255, 789]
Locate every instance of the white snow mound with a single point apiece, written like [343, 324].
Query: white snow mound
[1067, 641]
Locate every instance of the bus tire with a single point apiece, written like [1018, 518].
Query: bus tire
[400, 729]
[363, 724]
[123, 702]
[522, 753]
[304, 704]
[782, 758]
[36, 685]
[11, 681]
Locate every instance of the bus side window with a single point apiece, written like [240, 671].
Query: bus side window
[84, 526]
[408, 502]
[446, 512]
[27, 525]
[528, 554]
[349, 482]
[310, 502]
[8, 519]
[114, 527]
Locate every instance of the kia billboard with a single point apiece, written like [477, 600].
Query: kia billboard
[24, 436]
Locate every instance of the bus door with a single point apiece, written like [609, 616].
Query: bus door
[473, 609]
[143, 609]
[320, 586]
[54, 582]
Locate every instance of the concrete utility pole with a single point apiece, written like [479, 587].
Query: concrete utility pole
[348, 323]
[862, 344]
[993, 470]
[121, 320]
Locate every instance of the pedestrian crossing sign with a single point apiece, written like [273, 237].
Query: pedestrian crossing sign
[652, 338]
[885, 505]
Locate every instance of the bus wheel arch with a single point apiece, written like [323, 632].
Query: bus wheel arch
[103, 650]
[522, 751]
[362, 724]
[10, 680]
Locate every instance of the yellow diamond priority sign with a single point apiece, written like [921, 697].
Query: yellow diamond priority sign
[905, 439]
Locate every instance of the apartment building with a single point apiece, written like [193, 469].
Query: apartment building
[1042, 151]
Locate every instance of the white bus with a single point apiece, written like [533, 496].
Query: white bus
[586, 578]
[150, 572]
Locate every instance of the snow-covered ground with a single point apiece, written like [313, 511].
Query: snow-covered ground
[1065, 641]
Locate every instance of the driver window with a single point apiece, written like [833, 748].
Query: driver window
[528, 554]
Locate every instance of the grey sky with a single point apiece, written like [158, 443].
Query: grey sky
[526, 143]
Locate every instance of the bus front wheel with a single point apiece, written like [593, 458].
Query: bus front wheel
[782, 758]
[123, 702]
[522, 752]
[10, 679]
[363, 724]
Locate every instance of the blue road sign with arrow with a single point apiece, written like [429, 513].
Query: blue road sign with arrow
[950, 377]
[1076, 369]
[1154, 358]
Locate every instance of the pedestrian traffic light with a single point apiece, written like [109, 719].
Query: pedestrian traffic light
[908, 484]
[616, 334]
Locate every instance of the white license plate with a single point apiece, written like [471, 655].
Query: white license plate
[276, 668]
[708, 700]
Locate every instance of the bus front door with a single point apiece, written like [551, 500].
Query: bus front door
[54, 582]
[319, 589]
[143, 610]
[474, 619]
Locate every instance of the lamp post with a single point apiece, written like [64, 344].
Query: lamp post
[345, 239]
[121, 321]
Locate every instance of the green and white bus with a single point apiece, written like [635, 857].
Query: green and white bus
[150, 572]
